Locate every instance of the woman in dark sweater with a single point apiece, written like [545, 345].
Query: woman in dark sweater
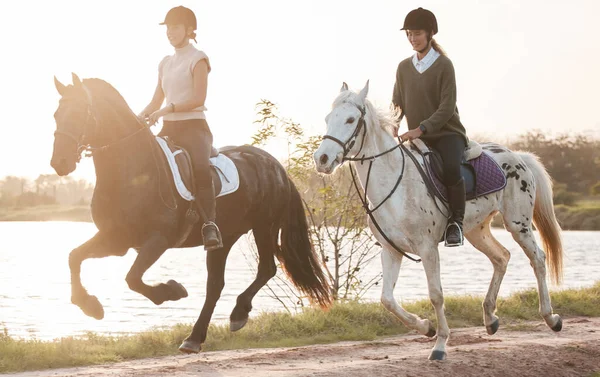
[425, 91]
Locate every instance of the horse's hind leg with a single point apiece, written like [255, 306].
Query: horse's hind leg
[266, 242]
[520, 228]
[148, 254]
[390, 263]
[482, 239]
[215, 281]
[99, 246]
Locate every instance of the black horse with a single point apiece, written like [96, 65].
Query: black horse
[135, 205]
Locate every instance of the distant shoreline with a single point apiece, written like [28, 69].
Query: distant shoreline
[570, 218]
[55, 212]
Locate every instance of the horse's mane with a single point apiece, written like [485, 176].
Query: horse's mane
[104, 93]
[386, 119]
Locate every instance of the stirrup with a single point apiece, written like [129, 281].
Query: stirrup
[460, 243]
[213, 246]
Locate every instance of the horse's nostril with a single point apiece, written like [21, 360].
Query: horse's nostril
[323, 159]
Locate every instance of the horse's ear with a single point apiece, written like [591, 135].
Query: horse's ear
[76, 80]
[344, 87]
[59, 87]
[363, 93]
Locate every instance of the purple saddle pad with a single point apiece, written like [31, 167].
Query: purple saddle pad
[488, 177]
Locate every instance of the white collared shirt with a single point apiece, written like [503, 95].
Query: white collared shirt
[423, 64]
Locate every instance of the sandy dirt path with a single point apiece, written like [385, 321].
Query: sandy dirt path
[527, 350]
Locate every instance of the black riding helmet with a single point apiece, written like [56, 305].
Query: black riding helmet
[420, 19]
[180, 15]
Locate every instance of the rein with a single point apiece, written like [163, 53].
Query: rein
[90, 151]
[347, 146]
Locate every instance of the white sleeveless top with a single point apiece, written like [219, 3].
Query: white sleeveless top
[175, 73]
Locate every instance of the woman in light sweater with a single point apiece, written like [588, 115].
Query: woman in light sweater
[182, 80]
[425, 91]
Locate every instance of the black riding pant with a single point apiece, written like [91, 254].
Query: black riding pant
[195, 137]
[452, 150]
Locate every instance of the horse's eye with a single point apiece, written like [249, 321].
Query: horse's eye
[350, 121]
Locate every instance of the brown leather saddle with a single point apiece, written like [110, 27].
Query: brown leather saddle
[184, 164]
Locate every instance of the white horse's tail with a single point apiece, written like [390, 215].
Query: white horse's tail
[544, 218]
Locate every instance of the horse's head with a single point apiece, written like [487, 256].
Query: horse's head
[345, 129]
[74, 124]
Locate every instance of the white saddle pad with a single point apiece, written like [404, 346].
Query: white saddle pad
[226, 169]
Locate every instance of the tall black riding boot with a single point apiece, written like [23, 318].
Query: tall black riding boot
[457, 199]
[210, 231]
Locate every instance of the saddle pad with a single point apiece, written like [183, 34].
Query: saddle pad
[226, 170]
[488, 177]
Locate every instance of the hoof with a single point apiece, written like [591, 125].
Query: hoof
[491, 329]
[558, 325]
[437, 355]
[178, 289]
[431, 333]
[91, 307]
[190, 346]
[237, 325]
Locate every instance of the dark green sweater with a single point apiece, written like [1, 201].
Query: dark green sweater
[429, 98]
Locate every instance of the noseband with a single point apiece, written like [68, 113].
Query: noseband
[348, 145]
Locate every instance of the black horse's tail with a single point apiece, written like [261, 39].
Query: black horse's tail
[297, 256]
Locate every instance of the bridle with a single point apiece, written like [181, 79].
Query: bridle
[83, 145]
[84, 140]
[347, 146]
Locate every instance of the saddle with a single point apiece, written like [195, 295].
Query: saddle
[183, 168]
[481, 173]
[224, 173]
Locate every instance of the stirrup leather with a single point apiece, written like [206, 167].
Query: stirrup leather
[460, 232]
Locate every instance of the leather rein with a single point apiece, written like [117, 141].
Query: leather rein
[84, 148]
[348, 145]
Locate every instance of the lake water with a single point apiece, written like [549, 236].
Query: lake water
[35, 282]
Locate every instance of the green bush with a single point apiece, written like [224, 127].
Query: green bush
[562, 196]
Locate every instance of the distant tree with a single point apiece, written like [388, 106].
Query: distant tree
[570, 159]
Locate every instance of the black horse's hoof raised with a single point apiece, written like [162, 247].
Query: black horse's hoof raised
[237, 325]
[437, 355]
[178, 290]
[190, 346]
[491, 329]
[558, 325]
[91, 306]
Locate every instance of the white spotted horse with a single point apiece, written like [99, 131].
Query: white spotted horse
[408, 215]
[136, 204]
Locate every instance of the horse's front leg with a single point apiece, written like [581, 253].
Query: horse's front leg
[152, 249]
[215, 281]
[431, 265]
[390, 264]
[100, 246]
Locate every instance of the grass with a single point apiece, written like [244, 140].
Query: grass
[345, 321]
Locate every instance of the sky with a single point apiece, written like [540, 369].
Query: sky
[519, 65]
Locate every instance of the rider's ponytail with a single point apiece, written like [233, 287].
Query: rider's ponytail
[437, 47]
